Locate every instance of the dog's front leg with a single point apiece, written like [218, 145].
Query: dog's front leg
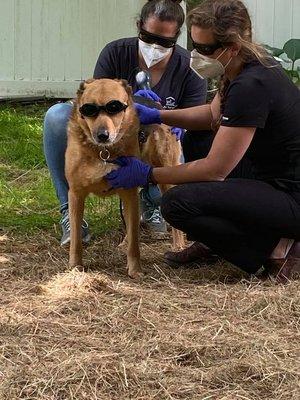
[131, 213]
[76, 207]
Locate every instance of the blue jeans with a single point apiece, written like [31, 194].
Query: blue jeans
[55, 144]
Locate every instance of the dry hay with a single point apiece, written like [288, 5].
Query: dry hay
[183, 334]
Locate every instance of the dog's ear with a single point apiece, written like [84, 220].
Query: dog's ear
[125, 85]
[82, 86]
[90, 80]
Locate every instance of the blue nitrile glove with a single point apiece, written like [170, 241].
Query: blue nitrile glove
[178, 132]
[147, 115]
[132, 172]
[148, 94]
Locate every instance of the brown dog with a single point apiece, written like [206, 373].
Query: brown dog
[91, 141]
[93, 138]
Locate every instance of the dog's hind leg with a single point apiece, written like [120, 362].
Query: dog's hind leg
[76, 207]
[131, 213]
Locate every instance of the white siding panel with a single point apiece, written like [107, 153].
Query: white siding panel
[47, 46]
[39, 40]
[56, 51]
[89, 36]
[108, 30]
[23, 43]
[265, 20]
[72, 40]
[296, 19]
[251, 5]
[282, 31]
[7, 17]
[275, 21]
[128, 13]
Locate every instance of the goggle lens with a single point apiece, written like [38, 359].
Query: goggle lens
[163, 41]
[206, 49]
[93, 110]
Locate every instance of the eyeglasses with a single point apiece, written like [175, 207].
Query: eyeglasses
[93, 110]
[206, 49]
[163, 41]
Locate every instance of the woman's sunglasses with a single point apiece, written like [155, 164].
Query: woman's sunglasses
[206, 49]
[163, 41]
[93, 110]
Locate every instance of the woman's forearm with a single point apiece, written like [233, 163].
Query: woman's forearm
[195, 171]
[193, 118]
[228, 148]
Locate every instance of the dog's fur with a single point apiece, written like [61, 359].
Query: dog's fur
[85, 170]
[163, 150]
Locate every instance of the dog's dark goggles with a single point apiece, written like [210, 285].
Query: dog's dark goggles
[206, 49]
[163, 41]
[93, 110]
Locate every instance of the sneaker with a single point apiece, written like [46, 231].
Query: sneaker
[150, 213]
[154, 221]
[65, 227]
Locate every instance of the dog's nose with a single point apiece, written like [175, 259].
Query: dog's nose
[103, 135]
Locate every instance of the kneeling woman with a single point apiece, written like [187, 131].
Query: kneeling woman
[249, 222]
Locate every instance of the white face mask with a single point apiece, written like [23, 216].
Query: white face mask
[153, 53]
[207, 67]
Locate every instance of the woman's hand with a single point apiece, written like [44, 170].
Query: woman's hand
[132, 172]
[147, 115]
[148, 94]
[178, 132]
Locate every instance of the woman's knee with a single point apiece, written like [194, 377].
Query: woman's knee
[171, 207]
[184, 202]
[56, 118]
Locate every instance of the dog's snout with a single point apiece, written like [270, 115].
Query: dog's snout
[103, 135]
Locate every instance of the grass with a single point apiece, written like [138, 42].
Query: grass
[27, 199]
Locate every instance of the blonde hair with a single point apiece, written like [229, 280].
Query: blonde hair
[230, 23]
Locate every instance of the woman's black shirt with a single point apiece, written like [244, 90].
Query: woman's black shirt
[265, 98]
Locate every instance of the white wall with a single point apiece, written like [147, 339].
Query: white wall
[275, 21]
[48, 46]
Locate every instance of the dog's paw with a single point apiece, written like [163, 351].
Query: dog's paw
[78, 267]
[136, 275]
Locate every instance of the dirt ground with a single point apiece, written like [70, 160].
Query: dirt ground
[201, 333]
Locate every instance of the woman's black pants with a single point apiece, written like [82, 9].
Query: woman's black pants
[241, 220]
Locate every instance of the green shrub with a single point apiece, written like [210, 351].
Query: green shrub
[291, 52]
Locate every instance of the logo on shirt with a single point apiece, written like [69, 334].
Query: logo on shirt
[225, 118]
[170, 103]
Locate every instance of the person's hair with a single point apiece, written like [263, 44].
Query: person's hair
[230, 23]
[164, 10]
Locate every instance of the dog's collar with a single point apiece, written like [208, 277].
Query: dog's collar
[104, 155]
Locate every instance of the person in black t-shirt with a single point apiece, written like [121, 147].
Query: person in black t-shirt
[154, 50]
[249, 222]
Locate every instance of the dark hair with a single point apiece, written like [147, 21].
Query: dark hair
[164, 10]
